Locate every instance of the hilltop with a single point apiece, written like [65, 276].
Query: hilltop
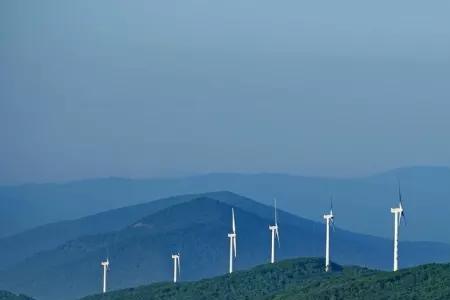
[302, 279]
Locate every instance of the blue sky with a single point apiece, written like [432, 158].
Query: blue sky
[170, 88]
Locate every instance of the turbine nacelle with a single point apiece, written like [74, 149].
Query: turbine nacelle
[274, 228]
[329, 217]
[105, 263]
[397, 210]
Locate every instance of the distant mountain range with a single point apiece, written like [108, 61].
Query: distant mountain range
[361, 204]
[302, 279]
[141, 239]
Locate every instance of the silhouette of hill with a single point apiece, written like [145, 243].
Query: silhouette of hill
[20, 246]
[45, 237]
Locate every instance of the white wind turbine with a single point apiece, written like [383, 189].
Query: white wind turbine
[274, 230]
[232, 237]
[398, 216]
[176, 266]
[105, 265]
[330, 221]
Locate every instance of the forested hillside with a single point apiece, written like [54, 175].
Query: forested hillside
[302, 279]
[258, 283]
[423, 282]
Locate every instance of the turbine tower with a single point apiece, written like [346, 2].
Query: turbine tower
[105, 265]
[398, 216]
[176, 266]
[232, 237]
[274, 230]
[330, 221]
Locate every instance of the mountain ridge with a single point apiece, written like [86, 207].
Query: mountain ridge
[305, 196]
[443, 169]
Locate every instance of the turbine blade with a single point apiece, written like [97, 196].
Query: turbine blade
[234, 244]
[179, 265]
[400, 199]
[400, 196]
[233, 221]
[403, 217]
[275, 207]
[278, 237]
[331, 205]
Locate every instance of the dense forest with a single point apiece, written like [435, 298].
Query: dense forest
[302, 279]
[424, 282]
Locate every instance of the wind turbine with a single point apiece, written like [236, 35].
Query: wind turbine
[274, 229]
[398, 216]
[330, 221]
[232, 237]
[105, 265]
[176, 266]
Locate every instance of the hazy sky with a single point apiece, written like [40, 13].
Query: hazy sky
[176, 87]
